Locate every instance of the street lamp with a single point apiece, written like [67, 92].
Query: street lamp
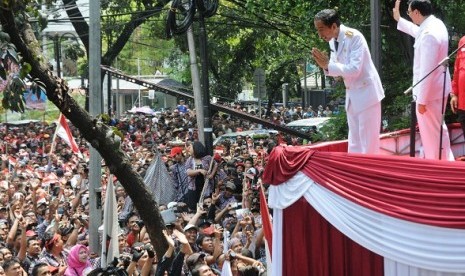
[74, 53]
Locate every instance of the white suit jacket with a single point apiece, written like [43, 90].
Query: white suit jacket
[352, 61]
[430, 48]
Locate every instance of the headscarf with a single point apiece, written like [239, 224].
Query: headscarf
[76, 267]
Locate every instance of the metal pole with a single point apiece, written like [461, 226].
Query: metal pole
[95, 55]
[109, 95]
[376, 33]
[196, 85]
[260, 102]
[138, 75]
[205, 85]
[413, 123]
[304, 93]
[57, 54]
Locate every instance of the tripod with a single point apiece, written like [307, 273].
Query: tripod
[445, 64]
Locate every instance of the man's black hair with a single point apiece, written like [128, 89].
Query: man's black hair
[35, 269]
[9, 263]
[328, 17]
[199, 149]
[423, 6]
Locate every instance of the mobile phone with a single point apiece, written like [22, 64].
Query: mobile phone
[60, 210]
[55, 191]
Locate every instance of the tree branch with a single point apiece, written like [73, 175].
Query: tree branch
[98, 134]
[78, 21]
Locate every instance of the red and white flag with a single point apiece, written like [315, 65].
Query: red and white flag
[267, 227]
[50, 178]
[11, 163]
[110, 226]
[65, 133]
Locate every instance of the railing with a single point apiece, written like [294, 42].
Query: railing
[215, 106]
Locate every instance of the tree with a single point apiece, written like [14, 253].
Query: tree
[18, 34]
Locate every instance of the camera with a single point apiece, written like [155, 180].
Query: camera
[168, 216]
[235, 205]
[140, 223]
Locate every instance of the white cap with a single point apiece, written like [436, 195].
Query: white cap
[171, 205]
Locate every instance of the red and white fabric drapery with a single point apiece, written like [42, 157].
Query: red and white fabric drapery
[348, 214]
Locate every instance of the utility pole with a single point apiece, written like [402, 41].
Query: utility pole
[196, 85]
[376, 33]
[138, 75]
[57, 46]
[95, 86]
[205, 86]
[305, 100]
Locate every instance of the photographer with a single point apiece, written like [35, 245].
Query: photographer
[168, 263]
[135, 230]
[244, 265]
[226, 197]
[142, 260]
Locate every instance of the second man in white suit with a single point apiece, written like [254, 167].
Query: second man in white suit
[431, 47]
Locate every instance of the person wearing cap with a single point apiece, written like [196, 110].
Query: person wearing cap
[194, 260]
[191, 231]
[179, 174]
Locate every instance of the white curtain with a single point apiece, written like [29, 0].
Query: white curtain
[415, 248]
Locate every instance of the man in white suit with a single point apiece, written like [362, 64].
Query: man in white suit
[431, 47]
[350, 59]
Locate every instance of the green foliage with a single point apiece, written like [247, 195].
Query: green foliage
[336, 128]
[13, 95]
[146, 50]
[73, 51]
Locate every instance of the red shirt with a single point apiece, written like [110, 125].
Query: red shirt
[458, 82]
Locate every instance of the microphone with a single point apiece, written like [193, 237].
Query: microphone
[444, 62]
[408, 90]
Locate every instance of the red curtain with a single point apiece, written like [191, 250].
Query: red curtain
[313, 247]
[422, 191]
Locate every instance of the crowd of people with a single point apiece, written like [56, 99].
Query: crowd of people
[44, 206]
[44, 186]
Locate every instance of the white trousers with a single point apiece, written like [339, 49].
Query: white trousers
[364, 129]
[430, 124]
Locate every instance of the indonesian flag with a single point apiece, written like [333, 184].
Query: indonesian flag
[219, 150]
[11, 162]
[29, 170]
[338, 214]
[50, 178]
[110, 226]
[65, 133]
[267, 227]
